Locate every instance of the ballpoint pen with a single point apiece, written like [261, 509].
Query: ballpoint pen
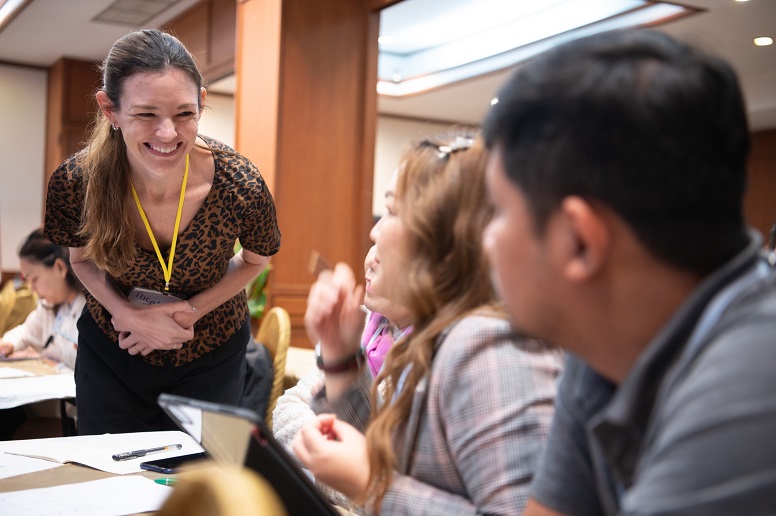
[142, 453]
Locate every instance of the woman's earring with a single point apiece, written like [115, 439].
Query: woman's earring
[115, 127]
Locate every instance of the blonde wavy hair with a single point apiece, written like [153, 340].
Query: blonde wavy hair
[441, 200]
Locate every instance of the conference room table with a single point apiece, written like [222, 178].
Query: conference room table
[65, 475]
[26, 378]
[39, 485]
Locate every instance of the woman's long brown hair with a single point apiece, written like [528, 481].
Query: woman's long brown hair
[106, 221]
[441, 199]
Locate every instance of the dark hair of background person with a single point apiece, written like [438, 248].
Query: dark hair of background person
[641, 123]
[106, 219]
[37, 248]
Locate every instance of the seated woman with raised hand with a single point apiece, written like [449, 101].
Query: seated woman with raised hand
[51, 327]
[468, 404]
[385, 323]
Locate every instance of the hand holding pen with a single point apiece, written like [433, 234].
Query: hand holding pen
[5, 349]
[142, 453]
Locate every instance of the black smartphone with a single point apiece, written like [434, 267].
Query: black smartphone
[170, 464]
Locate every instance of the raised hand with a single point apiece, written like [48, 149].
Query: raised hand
[334, 317]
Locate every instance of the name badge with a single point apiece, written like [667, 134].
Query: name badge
[144, 297]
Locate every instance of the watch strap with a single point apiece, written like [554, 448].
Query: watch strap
[354, 361]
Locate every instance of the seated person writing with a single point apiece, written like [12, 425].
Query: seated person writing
[51, 328]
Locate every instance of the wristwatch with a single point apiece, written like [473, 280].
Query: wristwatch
[353, 361]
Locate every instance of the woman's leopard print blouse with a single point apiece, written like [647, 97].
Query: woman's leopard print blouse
[239, 205]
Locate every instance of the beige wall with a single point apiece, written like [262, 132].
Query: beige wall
[393, 136]
[23, 137]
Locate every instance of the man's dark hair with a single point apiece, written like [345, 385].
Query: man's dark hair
[643, 124]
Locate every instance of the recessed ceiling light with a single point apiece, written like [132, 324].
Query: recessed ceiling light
[763, 42]
[742, 0]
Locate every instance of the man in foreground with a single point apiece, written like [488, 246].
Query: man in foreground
[617, 174]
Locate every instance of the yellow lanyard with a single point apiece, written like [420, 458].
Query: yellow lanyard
[167, 269]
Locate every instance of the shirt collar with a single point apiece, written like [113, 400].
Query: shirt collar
[620, 427]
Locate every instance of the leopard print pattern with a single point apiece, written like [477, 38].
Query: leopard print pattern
[239, 205]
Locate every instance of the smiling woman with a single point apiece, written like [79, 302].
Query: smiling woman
[151, 210]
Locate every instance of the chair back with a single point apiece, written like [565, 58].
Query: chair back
[16, 303]
[275, 334]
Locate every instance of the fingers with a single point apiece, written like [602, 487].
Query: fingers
[135, 346]
[344, 277]
[326, 425]
[126, 340]
[341, 461]
[332, 301]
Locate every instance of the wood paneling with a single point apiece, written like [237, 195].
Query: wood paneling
[760, 200]
[208, 31]
[71, 106]
[221, 43]
[192, 29]
[377, 5]
[308, 66]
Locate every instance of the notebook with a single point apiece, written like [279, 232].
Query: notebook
[238, 436]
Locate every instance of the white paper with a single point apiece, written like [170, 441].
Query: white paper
[97, 451]
[108, 497]
[12, 372]
[14, 465]
[15, 392]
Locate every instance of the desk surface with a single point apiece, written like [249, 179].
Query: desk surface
[36, 366]
[49, 381]
[62, 475]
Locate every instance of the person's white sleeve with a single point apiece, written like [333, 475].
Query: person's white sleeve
[293, 411]
[30, 332]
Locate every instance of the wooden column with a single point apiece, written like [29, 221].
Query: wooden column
[305, 112]
[71, 106]
[760, 199]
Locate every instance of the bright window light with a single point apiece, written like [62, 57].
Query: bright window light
[435, 46]
[9, 9]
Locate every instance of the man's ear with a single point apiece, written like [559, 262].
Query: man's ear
[106, 106]
[588, 239]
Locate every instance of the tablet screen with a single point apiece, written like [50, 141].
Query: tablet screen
[234, 435]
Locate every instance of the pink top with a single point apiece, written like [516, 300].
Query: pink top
[377, 340]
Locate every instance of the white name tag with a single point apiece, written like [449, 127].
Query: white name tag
[144, 297]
